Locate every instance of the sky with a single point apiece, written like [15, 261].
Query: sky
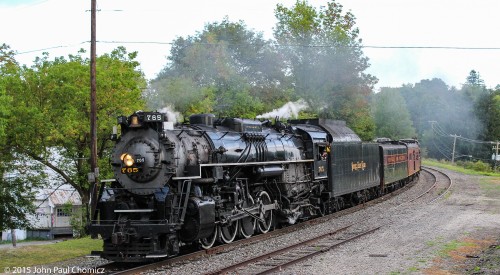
[406, 40]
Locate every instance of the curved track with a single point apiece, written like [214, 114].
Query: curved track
[432, 190]
[441, 186]
[111, 268]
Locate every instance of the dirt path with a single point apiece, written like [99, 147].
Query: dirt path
[444, 237]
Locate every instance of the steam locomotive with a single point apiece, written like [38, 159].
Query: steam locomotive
[214, 180]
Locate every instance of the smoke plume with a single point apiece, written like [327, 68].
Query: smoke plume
[289, 110]
[172, 115]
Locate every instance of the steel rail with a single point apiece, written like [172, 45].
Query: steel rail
[276, 252]
[256, 238]
[305, 257]
[294, 260]
[428, 190]
[447, 189]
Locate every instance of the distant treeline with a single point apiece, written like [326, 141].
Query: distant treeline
[435, 113]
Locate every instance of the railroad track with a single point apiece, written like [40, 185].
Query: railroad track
[113, 268]
[280, 259]
[442, 185]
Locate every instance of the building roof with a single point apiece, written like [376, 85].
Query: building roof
[59, 196]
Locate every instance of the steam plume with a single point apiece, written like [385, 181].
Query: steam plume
[290, 109]
[172, 115]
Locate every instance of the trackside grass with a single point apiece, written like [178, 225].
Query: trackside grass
[490, 184]
[27, 256]
[449, 166]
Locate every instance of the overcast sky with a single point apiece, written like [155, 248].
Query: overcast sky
[61, 27]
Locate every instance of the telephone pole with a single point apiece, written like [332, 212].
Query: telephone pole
[94, 170]
[496, 148]
[453, 153]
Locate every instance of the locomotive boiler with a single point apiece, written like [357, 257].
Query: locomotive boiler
[214, 180]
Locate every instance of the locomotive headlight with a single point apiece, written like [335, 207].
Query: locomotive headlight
[135, 122]
[127, 159]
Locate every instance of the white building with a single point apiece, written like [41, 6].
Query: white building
[51, 218]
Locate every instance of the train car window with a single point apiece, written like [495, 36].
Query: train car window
[322, 153]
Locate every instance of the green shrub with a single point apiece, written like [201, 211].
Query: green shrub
[478, 166]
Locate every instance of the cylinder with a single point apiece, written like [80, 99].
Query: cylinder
[269, 171]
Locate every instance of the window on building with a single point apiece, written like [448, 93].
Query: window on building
[62, 213]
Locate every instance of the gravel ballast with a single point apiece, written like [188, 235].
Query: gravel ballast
[443, 237]
[458, 234]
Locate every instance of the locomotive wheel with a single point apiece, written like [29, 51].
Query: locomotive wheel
[267, 217]
[229, 231]
[210, 240]
[248, 224]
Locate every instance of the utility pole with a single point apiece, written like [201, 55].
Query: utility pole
[453, 153]
[496, 154]
[94, 170]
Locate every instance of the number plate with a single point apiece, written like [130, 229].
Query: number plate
[130, 170]
[153, 117]
[139, 161]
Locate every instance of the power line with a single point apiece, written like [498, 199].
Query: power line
[441, 132]
[432, 47]
[443, 147]
[51, 48]
[278, 45]
[445, 154]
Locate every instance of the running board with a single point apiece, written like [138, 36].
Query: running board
[135, 211]
[156, 256]
[94, 254]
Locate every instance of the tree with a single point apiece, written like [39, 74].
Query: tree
[50, 111]
[488, 110]
[391, 115]
[326, 62]
[16, 194]
[474, 79]
[431, 103]
[8, 65]
[226, 69]
[474, 86]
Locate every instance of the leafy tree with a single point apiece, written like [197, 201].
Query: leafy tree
[9, 75]
[16, 194]
[488, 109]
[326, 62]
[391, 115]
[51, 111]
[183, 94]
[474, 79]
[226, 69]
[432, 101]
[474, 90]
[474, 86]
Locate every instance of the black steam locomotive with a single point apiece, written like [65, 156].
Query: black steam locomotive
[215, 180]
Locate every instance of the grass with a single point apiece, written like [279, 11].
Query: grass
[22, 241]
[449, 166]
[437, 241]
[452, 246]
[27, 256]
[491, 186]
[413, 269]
